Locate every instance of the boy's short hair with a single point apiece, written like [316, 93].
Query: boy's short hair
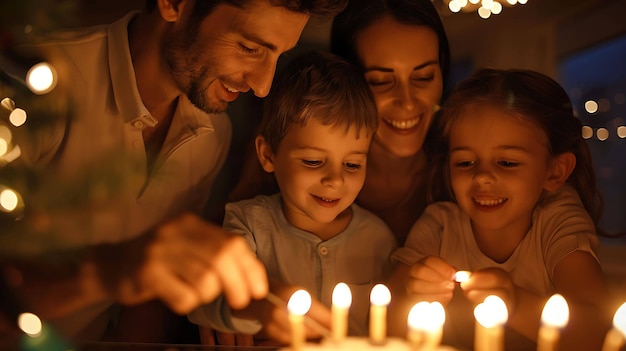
[320, 86]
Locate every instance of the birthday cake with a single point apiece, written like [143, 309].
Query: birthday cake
[363, 344]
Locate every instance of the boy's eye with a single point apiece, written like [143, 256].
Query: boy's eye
[352, 166]
[508, 163]
[311, 163]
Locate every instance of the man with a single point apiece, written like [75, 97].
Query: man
[148, 94]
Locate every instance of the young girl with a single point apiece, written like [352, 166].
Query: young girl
[521, 214]
[318, 124]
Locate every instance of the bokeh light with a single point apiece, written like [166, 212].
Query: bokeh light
[29, 324]
[17, 117]
[41, 78]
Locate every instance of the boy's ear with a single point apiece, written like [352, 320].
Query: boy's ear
[264, 153]
[560, 169]
[171, 10]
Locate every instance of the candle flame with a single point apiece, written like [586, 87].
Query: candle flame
[491, 312]
[299, 303]
[41, 78]
[342, 297]
[426, 316]
[619, 320]
[462, 276]
[380, 295]
[555, 312]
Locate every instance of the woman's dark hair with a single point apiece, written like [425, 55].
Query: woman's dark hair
[360, 14]
[533, 97]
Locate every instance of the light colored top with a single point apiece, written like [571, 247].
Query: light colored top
[560, 225]
[358, 256]
[104, 141]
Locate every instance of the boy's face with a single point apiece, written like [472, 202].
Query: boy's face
[499, 166]
[320, 171]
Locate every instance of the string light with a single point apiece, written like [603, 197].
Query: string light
[484, 8]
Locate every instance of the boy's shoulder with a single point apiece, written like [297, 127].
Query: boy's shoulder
[255, 204]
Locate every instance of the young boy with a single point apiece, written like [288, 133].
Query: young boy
[318, 123]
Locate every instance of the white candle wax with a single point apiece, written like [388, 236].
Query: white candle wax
[298, 305]
[342, 299]
[554, 317]
[614, 339]
[380, 297]
[490, 315]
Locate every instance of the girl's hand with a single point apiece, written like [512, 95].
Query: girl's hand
[490, 281]
[431, 279]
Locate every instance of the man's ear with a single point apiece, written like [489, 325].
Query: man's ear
[561, 167]
[171, 10]
[264, 153]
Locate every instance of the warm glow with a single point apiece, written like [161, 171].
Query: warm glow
[491, 312]
[496, 8]
[8, 200]
[484, 12]
[619, 320]
[555, 312]
[621, 132]
[299, 303]
[342, 297]
[29, 324]
[591, 106]
[8, 103]
[17, 117]
[462, 276]
[4, 146]
[602, 134]
[380, 295]
[587, 132]
[426, 316]
[41, 78]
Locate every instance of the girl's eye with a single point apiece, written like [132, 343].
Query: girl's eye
[508, 163]
[464, 164]
[311, 163]
[352, 166]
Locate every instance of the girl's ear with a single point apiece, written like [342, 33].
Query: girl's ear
[264, 153]
[171, 10]
[561, 167]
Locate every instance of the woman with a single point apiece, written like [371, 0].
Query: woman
[403, 50]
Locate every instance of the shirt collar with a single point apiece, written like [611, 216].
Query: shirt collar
[127, 96]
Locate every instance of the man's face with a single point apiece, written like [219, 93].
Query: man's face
[232, 51]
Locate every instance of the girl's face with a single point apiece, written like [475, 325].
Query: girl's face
[499, 165]
[402, 68]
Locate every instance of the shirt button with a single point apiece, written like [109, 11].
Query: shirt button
[323, 250]
[136, 143]
[138, 124]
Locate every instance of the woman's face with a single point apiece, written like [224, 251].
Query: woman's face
[401, 65]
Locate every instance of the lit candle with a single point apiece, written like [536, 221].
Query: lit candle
[462, 276]
[342, 299]
[426, 325]
[490, 315]
[298, 305]
[380, 296]
[615, 337]
[555, 316]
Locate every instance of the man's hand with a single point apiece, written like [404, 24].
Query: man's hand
[189, 262]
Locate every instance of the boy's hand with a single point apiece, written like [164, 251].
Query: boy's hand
[431, 279]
